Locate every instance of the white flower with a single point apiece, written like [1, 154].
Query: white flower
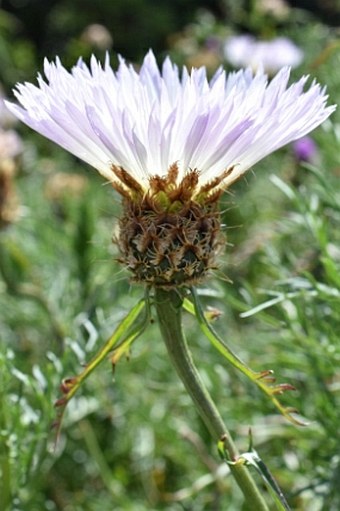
[244, 50]
[148, 120]
[10, 144]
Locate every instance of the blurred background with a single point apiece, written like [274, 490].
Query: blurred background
[132, 441]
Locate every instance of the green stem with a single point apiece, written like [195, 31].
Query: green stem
[169, 307]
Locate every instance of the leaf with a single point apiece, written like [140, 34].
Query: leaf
[263, 379]
[126, 332]
[252, 458]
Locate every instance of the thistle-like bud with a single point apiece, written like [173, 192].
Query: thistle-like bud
[169, 236]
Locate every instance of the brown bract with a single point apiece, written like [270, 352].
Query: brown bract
[169, 234]
[9, 209]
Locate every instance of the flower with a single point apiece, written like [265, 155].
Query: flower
[170, 143]
[97, 36]
[11, 145]
[244, 50]
[147, 121]
[305, 149]
[10, 148]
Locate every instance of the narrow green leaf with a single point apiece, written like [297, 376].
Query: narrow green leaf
[263, 379]
[126, 332]
[253, 459]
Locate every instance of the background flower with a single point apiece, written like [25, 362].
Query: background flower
[305, 149]
[245, 50]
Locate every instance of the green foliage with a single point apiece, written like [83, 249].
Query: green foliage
[131, 440]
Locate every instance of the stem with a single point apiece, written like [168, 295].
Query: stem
[169, 307]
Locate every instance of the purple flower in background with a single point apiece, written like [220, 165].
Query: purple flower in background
[245, 50]
[147, 121]
[305, 149]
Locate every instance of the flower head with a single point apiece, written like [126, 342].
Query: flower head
[245, 50]
[146, 121]
[170, 143]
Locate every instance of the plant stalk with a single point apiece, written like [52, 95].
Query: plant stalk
[168, 305]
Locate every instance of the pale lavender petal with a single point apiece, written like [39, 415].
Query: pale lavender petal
[147, 120]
